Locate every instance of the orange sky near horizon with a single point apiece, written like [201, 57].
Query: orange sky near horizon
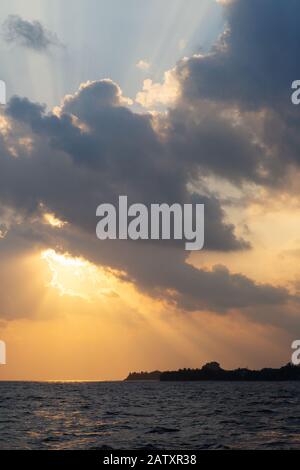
[160, 103]
[88, 325]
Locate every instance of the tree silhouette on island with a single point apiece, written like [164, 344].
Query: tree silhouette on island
[213, 371]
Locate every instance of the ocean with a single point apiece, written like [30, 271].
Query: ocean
[154, 415]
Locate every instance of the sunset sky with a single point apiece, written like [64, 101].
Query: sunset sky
[164, 101]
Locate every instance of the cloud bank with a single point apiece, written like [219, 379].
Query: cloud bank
[94, 148]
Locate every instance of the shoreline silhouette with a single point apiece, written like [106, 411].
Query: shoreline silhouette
[212, 371]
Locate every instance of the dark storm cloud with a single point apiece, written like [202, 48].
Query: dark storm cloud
[255, 61]
[201, 137]
[30, 34]
[72, 166]
[250, 70]
[120, 153]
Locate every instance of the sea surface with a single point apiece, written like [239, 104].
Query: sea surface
[154, 415]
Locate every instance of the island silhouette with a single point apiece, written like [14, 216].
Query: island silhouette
[213, 371]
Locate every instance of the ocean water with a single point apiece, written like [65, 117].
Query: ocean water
[162, 416]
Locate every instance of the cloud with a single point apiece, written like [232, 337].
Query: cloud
[110, 149]
[143, 65]
[29, 34]
[249, 65]
[71, 171]
[154, 94]
[94, 149]
[222, 121]
[230, 109]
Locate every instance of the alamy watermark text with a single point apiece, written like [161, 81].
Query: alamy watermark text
[159, 222]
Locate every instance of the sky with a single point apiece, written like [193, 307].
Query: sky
[102, 39]
[175, 101]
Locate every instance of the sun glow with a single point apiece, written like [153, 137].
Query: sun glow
[50, 219]
[76, 277]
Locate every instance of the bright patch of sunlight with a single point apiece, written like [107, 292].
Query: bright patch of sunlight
[77, 277]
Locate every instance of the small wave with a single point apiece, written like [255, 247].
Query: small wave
[162, 430]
